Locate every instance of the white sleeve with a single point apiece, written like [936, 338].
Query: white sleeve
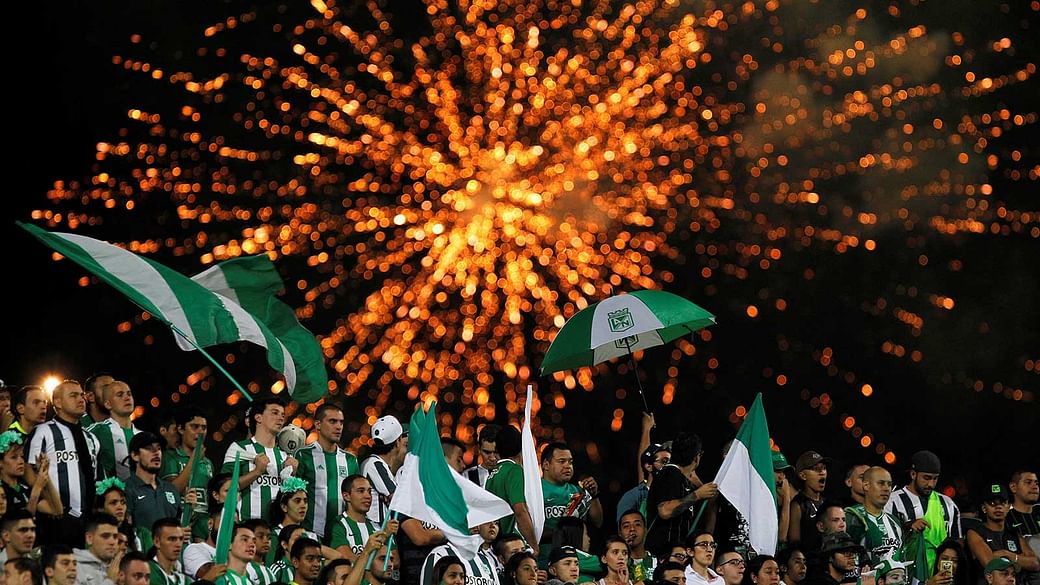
[37, 444]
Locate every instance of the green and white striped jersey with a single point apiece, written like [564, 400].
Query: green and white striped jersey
[324, 472]
[256, 499]
[157, 576]
[283, 571]
[479, 571]
[114, 456]
[232, 578]
[350, 532]
[259, 574]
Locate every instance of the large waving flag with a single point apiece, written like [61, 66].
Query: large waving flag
[200, 317]
[532, 479]
[431, 492]
[746, 479]
[253, 282]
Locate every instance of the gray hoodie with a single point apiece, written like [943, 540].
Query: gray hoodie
[90, 570]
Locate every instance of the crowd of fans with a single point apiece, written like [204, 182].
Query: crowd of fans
[90, 499]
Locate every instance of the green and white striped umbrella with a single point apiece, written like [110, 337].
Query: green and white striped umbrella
[620, 325]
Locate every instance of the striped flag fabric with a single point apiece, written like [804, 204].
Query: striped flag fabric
[227, 518]
[532, 478]
[430, 491]
[746, 479]
[253, 282]
[200, 317]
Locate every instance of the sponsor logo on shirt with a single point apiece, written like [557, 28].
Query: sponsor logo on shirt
[268, 481]
[66, 456]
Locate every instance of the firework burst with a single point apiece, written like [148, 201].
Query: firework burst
[450, 182]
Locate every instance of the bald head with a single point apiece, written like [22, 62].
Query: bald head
[68, 400]
[877, 488]
[118, 399]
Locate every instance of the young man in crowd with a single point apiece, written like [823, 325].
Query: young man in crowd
[168, 538]
[730, 566]
[178, 462]
[563, 498]
[563, 566]
[389, 447]
[1024, 515]
[98, 564]
[324, 466]
[22, 571]
[59, 564]
[811, 468]
[353, 527]
[134, 569]
[792, 566]
[507, 482]
[632, 529]
[487, 453]
[241, 553]
[18, 531]
[675, 491]
[263, 466]
[149, 498]
[993, 538]
[306, 561]
[921, 508]
[114, 433]
[93, 389]
[29, 408]
[854, 481]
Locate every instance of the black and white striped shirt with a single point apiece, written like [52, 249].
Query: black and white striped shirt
[57, 442]
[377, 470]
[908, 506]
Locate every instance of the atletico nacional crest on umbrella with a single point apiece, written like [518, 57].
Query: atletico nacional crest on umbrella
[620, 325]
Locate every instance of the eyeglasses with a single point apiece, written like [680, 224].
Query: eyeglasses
[734, 562]
[680, 556]
[706, 544]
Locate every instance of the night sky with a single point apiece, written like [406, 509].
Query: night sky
[74, 97]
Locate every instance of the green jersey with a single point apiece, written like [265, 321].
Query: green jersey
[259, 574]
[349, 532]
[880, 535]
[563, 500]
[643, 569]
[114, 456]
[507, 482]
[256, 498]
[232, 578]
[173, 463]
[324, 473]
[283, 571]
[157, 576]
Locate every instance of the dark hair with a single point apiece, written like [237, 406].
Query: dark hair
[1018, 473]
[508, 443]
[666, 566]
[301, 544]
[187, 414]
[692, 539]
[161, 523]
[27, 565]
[821, 512]
[514, 563]
[258, 408]
[324, 408]
[5, 389]
[254, 523]
[275, 513]
[348, 482]
[755, 565]
[488, 433]
[441, 567]
[611, 540]
[685, 448]
[784, 557]
[130, 557]
[13, 517]
[213, 487]
[329, 570]
[447, 442]
[283, 539]
[629, 512]
[51, 553]
[961, 576]
[21, 395]
[239, 526]
[720, 552]
[570, 531]
[848, 472]
[99, 519]
[503, 539]
[548, 450]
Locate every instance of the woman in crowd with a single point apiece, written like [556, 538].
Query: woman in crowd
[42, 497]
[950, 567]
[762, 570]
[449, 571]
[615, 562]
[111, 500]
[522, 569]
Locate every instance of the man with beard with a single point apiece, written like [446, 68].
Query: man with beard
[921, 508]
[98, 564]
[632, 528]
[1024, 515]
[149, 498]
[841, 561]
[854, 481]
[811, 468]
[324, 466]
[730, 566]
[115, 432]
[993, 538]
[877, 531]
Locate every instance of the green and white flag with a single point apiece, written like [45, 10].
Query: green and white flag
[746, 479]
[432, 492]
[200, 317]
[253, 282]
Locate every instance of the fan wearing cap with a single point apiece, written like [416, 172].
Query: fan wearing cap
[811, 468]
[263, 466]
[149, 498]
[892, 572]
[999, 571]
[389, 446]
[840, 556]
[563, 566]
[993, 539]
[651, 460]
[784, 496]
[920, 507]
[878, 531]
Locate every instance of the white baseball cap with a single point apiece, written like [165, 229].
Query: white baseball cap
[387, 430]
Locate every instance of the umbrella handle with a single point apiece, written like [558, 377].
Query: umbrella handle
[635, 372]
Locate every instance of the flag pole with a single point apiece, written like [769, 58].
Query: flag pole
[196, 455]
[212, 360]
[389, 546]
[372, 555]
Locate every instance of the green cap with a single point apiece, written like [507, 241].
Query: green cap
[780, 462]
[998, 564]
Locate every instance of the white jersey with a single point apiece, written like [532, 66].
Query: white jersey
[378, 473]
[256, 499]
[479, 571]
[55, 439]
[259, 574]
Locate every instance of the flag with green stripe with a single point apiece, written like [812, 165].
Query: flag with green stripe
[746, 479]
[253, 282]
[200, 317]
[432, 492]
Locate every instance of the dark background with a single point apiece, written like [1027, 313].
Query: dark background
[73, 97]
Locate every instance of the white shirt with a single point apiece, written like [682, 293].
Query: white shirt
[694, 578]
